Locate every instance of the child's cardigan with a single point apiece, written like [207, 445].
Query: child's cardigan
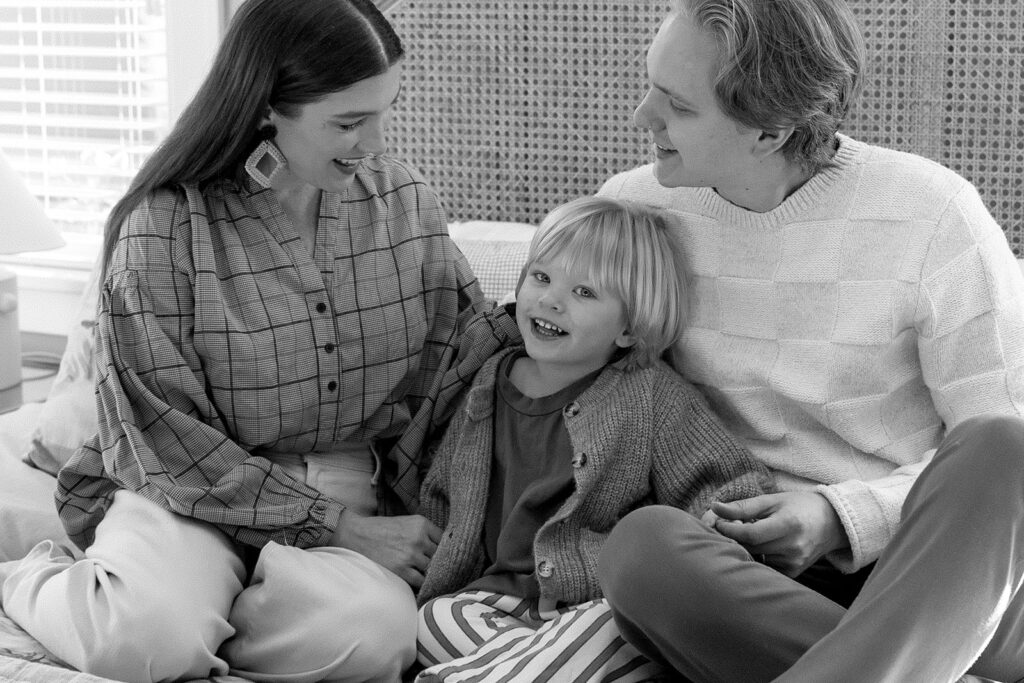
[640, 437]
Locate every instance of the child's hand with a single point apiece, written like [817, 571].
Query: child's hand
[787, 531]
[710, 518]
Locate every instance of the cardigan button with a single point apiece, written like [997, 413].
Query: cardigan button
[579, 459]
[321, 307]
[545, 569]
[329, 347]
[571, 410]
[332, 385]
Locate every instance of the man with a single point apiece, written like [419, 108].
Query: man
[853, 309]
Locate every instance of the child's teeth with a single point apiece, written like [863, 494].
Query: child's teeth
[548, 326]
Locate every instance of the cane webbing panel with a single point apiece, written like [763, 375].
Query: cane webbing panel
[511, 107]
[946, 81]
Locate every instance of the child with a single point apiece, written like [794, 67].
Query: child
[559, 438]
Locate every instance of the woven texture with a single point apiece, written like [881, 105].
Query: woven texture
[946, 81]
[510, 108]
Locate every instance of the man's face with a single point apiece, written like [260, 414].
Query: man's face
[695, 143]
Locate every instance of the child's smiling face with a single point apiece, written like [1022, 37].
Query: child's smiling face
[567, 320]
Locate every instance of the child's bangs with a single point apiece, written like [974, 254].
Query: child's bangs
[594, 245]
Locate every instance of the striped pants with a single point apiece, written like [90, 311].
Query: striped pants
[487, 637]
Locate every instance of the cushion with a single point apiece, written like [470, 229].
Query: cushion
[68, 417]
[27, 511]
[496, 252]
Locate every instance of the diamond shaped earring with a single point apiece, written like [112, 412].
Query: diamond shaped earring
[266, 155]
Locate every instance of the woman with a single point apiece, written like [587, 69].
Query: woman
[853, 309]
[279, 302]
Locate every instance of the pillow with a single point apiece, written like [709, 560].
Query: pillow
[496, 252]
[27, 511]
[68, 417]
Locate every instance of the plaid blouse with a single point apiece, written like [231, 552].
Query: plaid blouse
[220, 339]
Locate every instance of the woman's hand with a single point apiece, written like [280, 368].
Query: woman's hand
[787, 531]
[404, 544]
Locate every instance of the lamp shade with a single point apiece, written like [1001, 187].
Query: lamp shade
[24, 226]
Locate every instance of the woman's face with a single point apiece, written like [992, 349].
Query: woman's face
[695, 143]
[325, 142]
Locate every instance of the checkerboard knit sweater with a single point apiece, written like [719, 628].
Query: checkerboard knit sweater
[842, 333]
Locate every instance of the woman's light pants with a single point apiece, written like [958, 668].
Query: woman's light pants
[160, 597]
[944, 598]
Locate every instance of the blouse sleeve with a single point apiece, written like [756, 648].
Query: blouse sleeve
[483, 335]
[160, 434]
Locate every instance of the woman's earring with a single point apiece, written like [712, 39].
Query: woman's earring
[266, 155]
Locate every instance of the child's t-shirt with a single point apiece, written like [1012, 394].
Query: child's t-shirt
[531, 476]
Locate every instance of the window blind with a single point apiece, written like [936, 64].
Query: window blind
[83, 99]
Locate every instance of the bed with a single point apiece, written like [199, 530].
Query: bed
[36, 438]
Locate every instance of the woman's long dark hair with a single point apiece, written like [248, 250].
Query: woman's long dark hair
[276, 53]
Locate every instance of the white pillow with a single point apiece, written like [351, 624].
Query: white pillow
[68, 417]
[496, 252]
[27, 511]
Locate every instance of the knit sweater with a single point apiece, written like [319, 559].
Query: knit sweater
[843, 332]
[638, 437]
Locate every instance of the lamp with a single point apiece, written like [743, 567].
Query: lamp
[24, 226]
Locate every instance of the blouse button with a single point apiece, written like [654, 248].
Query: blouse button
[571, 410]
[579, 459]
[329, 347]
[545, 569]
[321, 307]
[332, 385]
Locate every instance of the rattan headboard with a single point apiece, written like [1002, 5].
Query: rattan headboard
[513, 106]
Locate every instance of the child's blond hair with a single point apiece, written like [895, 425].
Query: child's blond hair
[627, 249]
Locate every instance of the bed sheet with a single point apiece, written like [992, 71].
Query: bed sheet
[24, 660]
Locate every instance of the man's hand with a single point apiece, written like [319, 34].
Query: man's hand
[787, 531]
[403, 544]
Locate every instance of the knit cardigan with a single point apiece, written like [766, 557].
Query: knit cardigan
[639, 437]
[841, 334]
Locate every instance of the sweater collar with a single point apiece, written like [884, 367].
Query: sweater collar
[849, 155]
[480, 397]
